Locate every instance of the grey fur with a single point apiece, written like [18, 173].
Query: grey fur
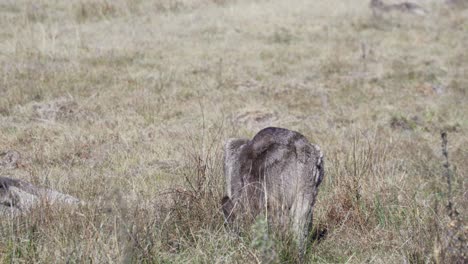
[277, 172]
[378, 7]
[18, 196]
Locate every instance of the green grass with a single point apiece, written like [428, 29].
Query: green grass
[126, 105]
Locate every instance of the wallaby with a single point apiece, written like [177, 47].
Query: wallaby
[278, 173]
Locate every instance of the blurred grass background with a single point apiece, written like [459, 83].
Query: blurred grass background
[126, 104]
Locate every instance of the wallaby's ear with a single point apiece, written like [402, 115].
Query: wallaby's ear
[232, 164]
[320, 166]
[231, 148]
[228, 206]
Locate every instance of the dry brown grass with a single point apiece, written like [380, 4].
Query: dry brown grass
[126, 104]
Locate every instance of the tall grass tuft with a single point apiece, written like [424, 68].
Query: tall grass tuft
[451, 244]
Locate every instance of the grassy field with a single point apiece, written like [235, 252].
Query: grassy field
[126, 105]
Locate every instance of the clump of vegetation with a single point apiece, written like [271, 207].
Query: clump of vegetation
[451, 239]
